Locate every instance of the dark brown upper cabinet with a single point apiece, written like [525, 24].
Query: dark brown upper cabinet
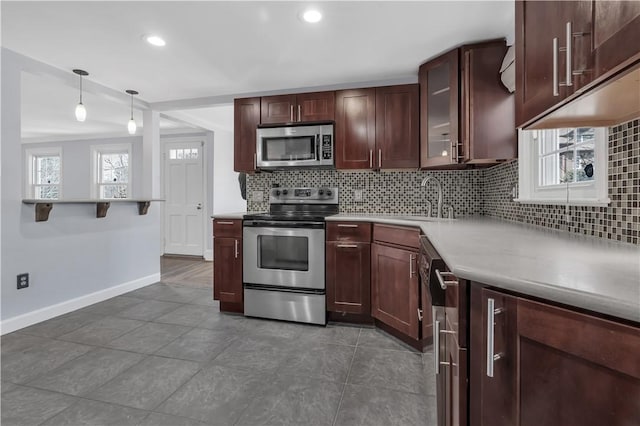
[246, 118]
[377, 128]
[355, 131]
[298, 108]
[467, 117]
[439, 110]
[616, 34]
[582, 45]
[397, 124]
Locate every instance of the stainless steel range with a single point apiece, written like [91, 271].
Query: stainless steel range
[283, 255]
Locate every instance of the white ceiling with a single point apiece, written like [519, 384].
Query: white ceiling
[218, 48]
[48, 113]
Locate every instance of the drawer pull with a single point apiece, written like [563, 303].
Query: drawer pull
[347, 246]
[222, 222]
[411, 271]
[236, 247]
[444, 283]
[347, 225]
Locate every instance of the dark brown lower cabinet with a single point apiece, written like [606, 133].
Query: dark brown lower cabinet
[455, 383]
[493, 399]
[227, 266]
[551, 366]
[348, 277]
[395, 288]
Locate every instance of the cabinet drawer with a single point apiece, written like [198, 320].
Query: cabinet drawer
[227, 228]
[359, 232]
[397, 235]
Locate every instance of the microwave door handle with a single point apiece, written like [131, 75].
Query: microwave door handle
[318, 147]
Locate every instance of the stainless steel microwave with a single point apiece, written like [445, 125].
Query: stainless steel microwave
[295, 146]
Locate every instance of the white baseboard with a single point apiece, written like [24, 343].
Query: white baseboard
[21, 321]
[208, 255]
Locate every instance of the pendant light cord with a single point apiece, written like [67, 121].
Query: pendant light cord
[81, 89]
[132, 106]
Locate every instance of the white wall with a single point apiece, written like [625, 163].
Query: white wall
[73, 259]
[226, 190]
[76, 164]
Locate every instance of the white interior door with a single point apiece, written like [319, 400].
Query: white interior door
[183, 182]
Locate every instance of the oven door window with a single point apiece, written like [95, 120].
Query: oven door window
[283, 253]
[289, 148]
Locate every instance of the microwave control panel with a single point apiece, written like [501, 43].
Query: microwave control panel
[327, 147]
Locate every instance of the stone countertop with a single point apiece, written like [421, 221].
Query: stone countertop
[234, 215]
[585, 272]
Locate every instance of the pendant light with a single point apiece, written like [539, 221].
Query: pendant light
[81, 111]
[131, 126]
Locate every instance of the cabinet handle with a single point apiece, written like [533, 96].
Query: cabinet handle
[411, 271]
[491, 356]
[236, 241]
[347, 246]
[454, 151]
[379, 158]
[291, 113]
[569, 68]
[555, 67]
[224, 222]
[371, 159]
[347, 225]
[255, 161]
[444, 283]
[299, 112]
[420, 316]
[436, 343]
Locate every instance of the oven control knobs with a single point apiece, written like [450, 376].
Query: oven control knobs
[285, 192]
[277, 192]
[328, 192]
[320, 191]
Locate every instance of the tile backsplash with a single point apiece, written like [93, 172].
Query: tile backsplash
[480, 192]
[392, 192]
[619, 221]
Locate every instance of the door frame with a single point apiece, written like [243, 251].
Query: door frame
[207, 254]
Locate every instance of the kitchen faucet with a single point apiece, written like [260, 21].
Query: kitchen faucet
[425, 181]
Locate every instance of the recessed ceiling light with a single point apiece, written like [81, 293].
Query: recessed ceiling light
[155, 40]
[312, 16]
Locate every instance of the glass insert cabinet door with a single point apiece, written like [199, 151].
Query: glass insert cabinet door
[439, 120]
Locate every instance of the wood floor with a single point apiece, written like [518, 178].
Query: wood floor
[190, 272]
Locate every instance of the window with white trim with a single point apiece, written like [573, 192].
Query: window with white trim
[111, 171]
[44, 173]
[563, 166]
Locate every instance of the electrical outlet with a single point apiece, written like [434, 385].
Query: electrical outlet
[358, 195]
[23, 281]
[256, 196]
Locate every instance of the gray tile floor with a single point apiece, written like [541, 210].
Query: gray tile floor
[165, 355]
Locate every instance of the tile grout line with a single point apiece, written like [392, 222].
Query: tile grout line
[346, 380]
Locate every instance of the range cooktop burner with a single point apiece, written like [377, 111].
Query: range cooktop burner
[299, 204]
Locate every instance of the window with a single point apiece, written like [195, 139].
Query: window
[563, 166]
[183, 153]
[44, 168]
[111, 171]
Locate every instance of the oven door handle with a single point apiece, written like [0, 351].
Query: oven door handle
[283, 224]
